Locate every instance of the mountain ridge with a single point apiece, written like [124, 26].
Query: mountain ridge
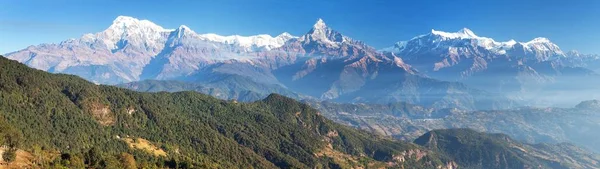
[346, 67]
[529, 72]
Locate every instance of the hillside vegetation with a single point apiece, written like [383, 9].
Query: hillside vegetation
[66, 121]
[472, 149]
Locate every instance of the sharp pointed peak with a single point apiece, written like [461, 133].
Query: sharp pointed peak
[467, 31]
[184, 28]
[320, 24]
[286, 34]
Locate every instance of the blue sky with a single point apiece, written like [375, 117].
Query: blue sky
[380, 23]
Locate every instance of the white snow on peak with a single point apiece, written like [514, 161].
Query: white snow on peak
[132, 30]
[146, 34]
[285, 35]
[320, 24]
[257, 41]
[464, 33]
[183, 27]
[537, 45]
[510, 42]
[127, 23]
[468, 32]
[543, 44]
[539, 40]
[320, 33]
[183, 31]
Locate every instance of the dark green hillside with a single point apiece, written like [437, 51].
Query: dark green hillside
[67, 121]
[472, 149]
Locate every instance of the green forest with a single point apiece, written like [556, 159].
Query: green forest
[67, 122]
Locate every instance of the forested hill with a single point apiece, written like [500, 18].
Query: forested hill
[66, 121]
[472, 149]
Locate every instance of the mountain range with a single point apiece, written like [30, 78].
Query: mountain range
[529, 71]
[438, 69]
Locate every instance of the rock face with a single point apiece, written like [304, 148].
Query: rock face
[322, 64]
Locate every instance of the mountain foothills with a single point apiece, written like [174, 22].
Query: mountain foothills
[472, 149]
[322, 64]
[57, 120]
[532, 125]
[64, 121]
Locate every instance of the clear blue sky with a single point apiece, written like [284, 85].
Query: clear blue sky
[572, 24]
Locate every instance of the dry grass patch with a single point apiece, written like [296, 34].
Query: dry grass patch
[143, 144]
[24, 160]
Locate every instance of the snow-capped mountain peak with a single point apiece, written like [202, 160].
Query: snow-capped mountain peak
[183, 27]
[145, 33]
[539, 48]
[264, 41]
[544, 46]
[510, 42]
[126, 24]
[321, 33]
[464, 33]
[128, 30]
[320, 24]
[467, 31]
[184, 31]
[285, 35]
[539, 40]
